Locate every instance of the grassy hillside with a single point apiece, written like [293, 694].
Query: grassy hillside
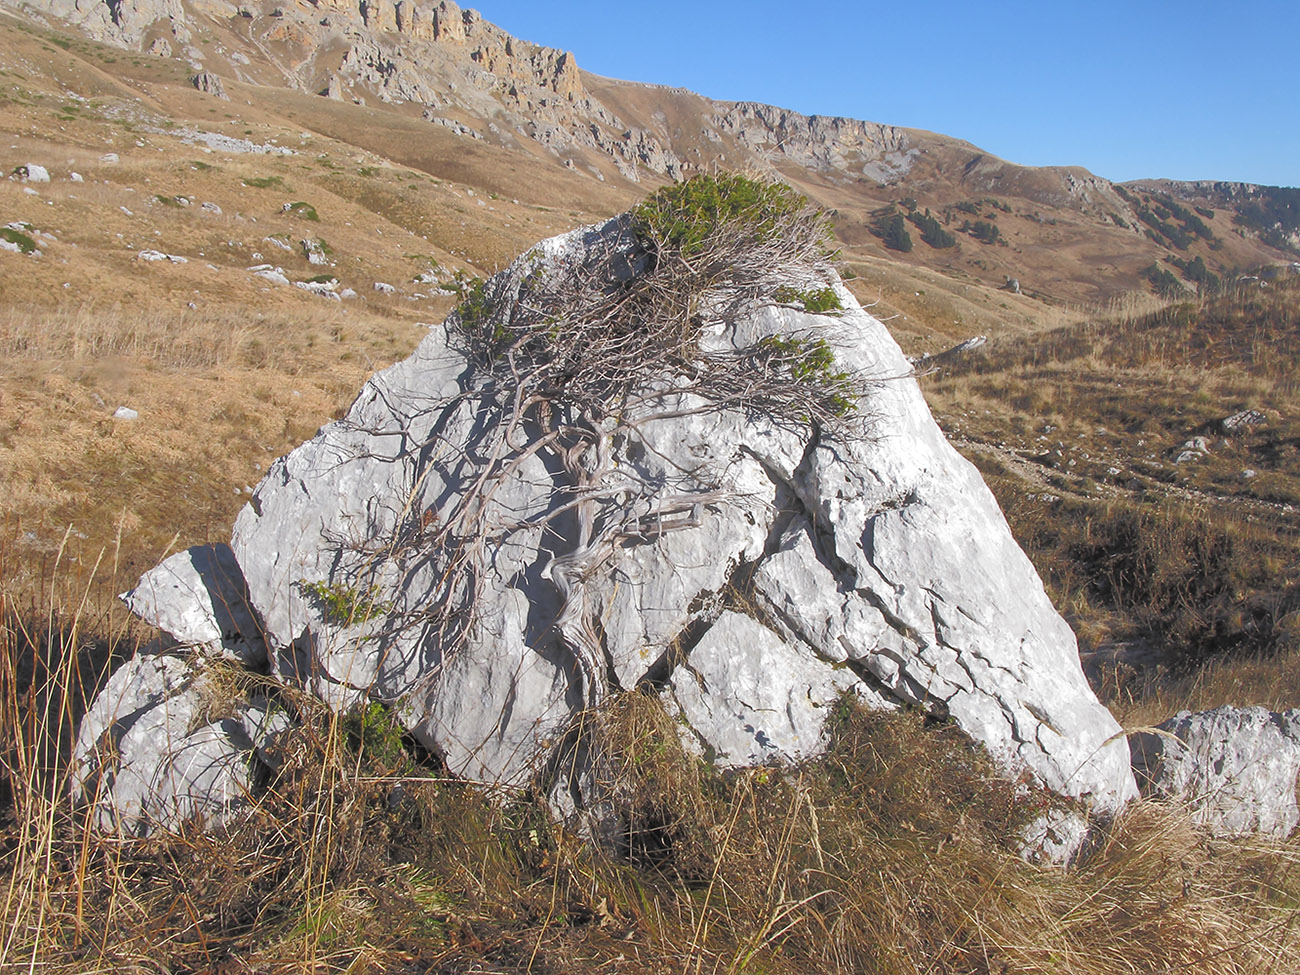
[893, 853]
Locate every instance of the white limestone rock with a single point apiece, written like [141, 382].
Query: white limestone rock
[32, 173]
[147, 757]
[1235, 768]
[879, 565]
[198, 597]
[751, 698]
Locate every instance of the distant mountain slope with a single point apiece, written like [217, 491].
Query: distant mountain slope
[426, 68]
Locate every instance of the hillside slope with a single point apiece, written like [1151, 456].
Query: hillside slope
[424, 71]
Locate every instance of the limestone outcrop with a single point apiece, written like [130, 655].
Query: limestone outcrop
[753, 572]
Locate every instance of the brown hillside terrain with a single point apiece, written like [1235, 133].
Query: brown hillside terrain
[386, 156]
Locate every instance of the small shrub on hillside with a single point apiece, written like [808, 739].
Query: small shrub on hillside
[890, 227]
[688, 217]
[22, 241]
[932, 231]
[984, 231]
[300, 209]
[263, 182]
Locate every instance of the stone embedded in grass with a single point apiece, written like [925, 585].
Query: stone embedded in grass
[315, 251]
[302, 210]
[148, 756]
[1197, 448]
[31, 173]
[270, 273]
[125, 413]
[1236, 768]
[1241, 421]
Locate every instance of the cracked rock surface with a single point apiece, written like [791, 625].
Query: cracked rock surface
[875, 565]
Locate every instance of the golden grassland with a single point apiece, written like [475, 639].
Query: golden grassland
[1078, 431]
[893, 853]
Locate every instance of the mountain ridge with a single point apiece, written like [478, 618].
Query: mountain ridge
[1068, 235]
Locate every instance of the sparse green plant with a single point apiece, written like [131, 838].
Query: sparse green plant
[343, 604]
[816, 301]
[376, 739]
[22, 241]
[263, 182]
[302, 210]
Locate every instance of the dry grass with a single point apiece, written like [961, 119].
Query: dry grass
[1077, 430]
[893, 853]
[220, 394]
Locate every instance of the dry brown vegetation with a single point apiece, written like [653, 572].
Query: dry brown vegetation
[1078, 431]
[890, 854]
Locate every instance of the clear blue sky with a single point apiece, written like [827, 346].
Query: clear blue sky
[1147, 88]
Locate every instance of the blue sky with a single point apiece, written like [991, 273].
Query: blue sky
[1148, 88]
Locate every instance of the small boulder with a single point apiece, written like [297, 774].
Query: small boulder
[273, 274]
[1241, 421]
[1235, 767]
[1191, 450]
[314, 251]
[210, 84]
[150, 755]
[32, 173]
[154, 256]
[125, 413]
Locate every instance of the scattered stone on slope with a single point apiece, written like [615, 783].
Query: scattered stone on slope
[1241, 421]
[875, 565]
[1235, 768]
[1197, 448]
[31, 173]
[958, 350]
[211, 84]
[314, 251]
[270, 273]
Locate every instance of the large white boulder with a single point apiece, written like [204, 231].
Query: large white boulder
[875, 563]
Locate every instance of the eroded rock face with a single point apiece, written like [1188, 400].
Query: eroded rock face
[875, 564]
[1236, 768]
